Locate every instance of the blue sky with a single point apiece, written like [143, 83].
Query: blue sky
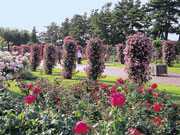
[24, 14]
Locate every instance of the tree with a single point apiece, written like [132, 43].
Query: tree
[51, 35]
[64, 29]
[33, 35]
[164, 14]
[78, 28]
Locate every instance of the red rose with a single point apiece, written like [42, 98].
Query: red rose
[36, 90]
[117, 99]
[134, 132]
[81, 128]
[158, 121]
[120, 80]
[141, 88]
[113, 89]
[30, 86]
[148, 105]
[104, 86]
[126, 91]
[150, 90]
[29, 99]
[153, 86]
[157, 107]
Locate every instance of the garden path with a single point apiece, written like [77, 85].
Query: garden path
[171, 79]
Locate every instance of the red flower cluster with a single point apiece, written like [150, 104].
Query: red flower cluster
[104, 86]
[117, 99]
[30, 99]
[30, 86]
[81, 128]
[153, 86]
[148, 105]
[157, 107]
[134, 132]
[141, 88]
[113, 89]
[158, 121]
[37, 90]
[120, 80]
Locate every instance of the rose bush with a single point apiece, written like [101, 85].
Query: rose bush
[169, 53]
[138, 54]
[69, 57]
[120, 55]
[35, 57]
[49, 58]
[10, 65]
[95, 53]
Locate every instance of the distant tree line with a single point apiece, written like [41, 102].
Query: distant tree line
[156, 19]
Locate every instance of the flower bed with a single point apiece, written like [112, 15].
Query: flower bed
[96, 109]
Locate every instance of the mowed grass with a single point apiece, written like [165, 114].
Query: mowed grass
[170, 89]
[174, 69]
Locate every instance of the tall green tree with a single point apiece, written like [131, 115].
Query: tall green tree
[78, 29]
[34, 36]
[165, 15]
[64, 29]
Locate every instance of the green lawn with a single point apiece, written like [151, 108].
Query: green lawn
[171, 89]
[174, 69]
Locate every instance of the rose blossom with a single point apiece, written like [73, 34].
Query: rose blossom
[81, 128]
[117, 99]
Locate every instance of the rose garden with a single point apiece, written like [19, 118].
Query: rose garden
[37, 98]
[111, 71]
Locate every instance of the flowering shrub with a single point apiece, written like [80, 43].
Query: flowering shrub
[120, 55]
[95, 53]
[168, 51]
[16, 50]
[35, 57]
[9, 65]
[138, 54]
[24, 49]
[49, 58]
[69, 57]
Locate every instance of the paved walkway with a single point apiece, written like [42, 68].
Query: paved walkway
[172, 78]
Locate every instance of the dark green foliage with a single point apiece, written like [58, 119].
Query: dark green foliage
[26, 75]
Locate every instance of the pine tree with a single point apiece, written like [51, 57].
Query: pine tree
[33, 35]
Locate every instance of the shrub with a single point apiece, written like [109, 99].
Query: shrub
[49, 58]
[35, 57]
[120, 55]
[157, 45]
[25, 49]
[16, 50]
[69, 57]
[177, 47]
[168, 51]
[95, 53]
[10, 65]
[138, 54]
[26, 75]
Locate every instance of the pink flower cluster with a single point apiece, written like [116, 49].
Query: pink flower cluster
[49, 58]
[69, 57]
[9, 65]
[95, 53]
[81, 128]
[24, 49]
[138, 55]
[35, 56]
[169, 53]
[120, 55]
